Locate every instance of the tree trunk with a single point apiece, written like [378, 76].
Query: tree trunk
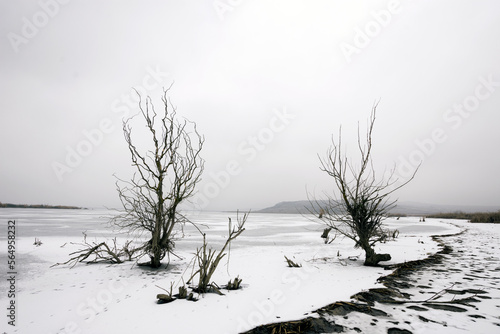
[372, 259]
[156, 248]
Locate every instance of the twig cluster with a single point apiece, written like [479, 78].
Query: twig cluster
[208, 259]
[100, 252]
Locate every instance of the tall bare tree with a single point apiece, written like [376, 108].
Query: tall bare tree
[362, 203]
[166, 175]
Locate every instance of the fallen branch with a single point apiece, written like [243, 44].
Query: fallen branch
[102, 252]
[292, 264]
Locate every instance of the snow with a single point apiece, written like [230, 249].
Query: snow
[103, 298]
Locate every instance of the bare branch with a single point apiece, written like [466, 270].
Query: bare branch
[207, 261]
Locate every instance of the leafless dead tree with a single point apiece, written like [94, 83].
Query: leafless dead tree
[166, 175]
[363, 201]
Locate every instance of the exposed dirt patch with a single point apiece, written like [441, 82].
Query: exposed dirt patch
[455, 281]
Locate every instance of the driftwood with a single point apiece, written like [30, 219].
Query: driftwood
[168, 297]
[100, 252]
[292, 264]
[326, 231]
[326, 236]
[234, 284]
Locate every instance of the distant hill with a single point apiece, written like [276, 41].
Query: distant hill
[300, 207]
[37, 206]
[402, 208]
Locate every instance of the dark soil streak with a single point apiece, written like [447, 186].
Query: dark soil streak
[401, 278]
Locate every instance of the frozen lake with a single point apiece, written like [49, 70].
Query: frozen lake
[260, 227]
[56, 300]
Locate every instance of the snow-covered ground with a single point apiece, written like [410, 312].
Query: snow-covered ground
[102, 298]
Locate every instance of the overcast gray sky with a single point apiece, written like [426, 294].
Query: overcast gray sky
[267, 82]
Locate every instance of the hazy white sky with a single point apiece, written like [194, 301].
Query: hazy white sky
[267, 82]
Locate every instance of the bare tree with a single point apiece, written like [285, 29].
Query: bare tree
[166, 175]
[207, 261]
[363, 201]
